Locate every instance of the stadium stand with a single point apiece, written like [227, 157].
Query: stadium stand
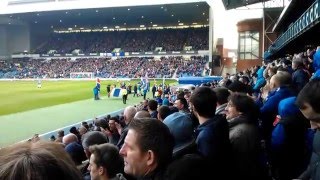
[128, 41]
[131, 67]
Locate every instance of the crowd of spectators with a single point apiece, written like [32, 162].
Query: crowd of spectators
[194, 67]
[262, 123]
[128, 41]
[133, 67]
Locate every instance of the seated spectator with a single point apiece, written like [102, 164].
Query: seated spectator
[92, 138]
[165, 101]
[147, 150]
[76, 152]
[40, 160]
[74, 131]
[142, 114]
[83, 130]
[105, 162]
[182, 105]
[163, 112]
[152, 108]
[69, 138]
[112, 131]
[180, 126]
[60, 136]
[128, 114]
[89, 139]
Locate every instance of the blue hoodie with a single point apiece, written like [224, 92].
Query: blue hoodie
[260, 80]
[316, 60]
[286, 108]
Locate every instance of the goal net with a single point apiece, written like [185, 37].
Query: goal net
[77, 75]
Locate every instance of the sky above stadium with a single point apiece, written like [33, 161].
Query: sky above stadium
[226, 22]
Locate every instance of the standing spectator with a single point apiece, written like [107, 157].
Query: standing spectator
[279, 85]
[309, 104]
[222, 99]
[213, 132]
[289, 150]
[242, 115]
[299, 77]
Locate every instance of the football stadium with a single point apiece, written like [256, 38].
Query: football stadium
[176, 89]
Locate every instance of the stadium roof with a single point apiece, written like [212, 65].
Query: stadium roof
[291, 12]
[22, 6]
[232, 4]
[164, 14]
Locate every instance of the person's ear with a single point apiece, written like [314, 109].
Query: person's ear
[151, 159]
[101, 170]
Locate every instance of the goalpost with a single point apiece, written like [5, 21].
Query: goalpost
[80, 75]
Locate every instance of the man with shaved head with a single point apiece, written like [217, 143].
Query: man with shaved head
[69, 138]
[142, 114]
[128, 114]
[280, 89]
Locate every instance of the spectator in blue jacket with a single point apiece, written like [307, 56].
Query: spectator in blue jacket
[290, 152]
[212, 135]
[316, 60]
[280, 89]
[316, 63]
[260, 80]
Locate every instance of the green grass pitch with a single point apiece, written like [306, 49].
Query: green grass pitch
[26, 110]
